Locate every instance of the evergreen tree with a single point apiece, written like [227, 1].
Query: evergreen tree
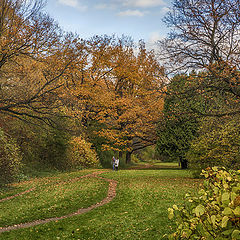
[177, 130]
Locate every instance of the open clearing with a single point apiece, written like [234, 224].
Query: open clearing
[139, 210]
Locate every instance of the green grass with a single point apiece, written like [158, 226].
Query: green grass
[139, 210]
[42, 179]
[152, 165]
[168, 164]
[52, 196]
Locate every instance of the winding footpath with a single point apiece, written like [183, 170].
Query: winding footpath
[111, 194]
[16, 195]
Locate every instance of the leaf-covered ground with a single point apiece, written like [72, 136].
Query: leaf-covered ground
[139, 211]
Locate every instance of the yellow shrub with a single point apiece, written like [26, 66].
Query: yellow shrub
[81, 154]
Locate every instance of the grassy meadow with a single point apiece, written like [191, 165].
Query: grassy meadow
[139, 211]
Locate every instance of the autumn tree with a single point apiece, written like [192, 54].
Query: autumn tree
[36, 65]
[35, 58]
[121, 91]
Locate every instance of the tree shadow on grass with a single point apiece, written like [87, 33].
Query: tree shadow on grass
[153, 167]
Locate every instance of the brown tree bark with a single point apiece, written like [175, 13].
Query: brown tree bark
[128, 157]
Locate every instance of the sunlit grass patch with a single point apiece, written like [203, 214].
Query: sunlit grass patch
[18, 187]
[52, 197]
[139, 211]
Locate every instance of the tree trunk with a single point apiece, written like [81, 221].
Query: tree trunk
[128, 157]
[184, 163]
[120, 155]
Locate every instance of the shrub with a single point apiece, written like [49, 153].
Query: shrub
[135, 159]
[215, 212]
[10, 158]
[217, 144]
[81, 154]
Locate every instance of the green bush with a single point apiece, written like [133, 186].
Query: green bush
[218, 144]
[80, 154]
[10, 158]
[215, 212]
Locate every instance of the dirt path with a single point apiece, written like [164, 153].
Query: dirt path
[111, 194]
[16, 195]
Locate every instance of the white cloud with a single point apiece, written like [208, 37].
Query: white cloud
[143, 3]
[71, 3]
[154, 37]
[131, 13]
[165, 10]
[74, 4]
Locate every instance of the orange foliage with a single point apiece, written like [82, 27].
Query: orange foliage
[120, 87]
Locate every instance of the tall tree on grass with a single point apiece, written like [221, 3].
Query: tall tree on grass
[120, 89]
[178, 128]
[205, 38]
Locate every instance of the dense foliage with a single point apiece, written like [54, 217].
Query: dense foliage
[10, 158]
[81, 154]
[112, 91]
[102, 87]
[203, 43]
[54, 149]
[218, 144]
[178, 128]
[215, 212]
[120, 90]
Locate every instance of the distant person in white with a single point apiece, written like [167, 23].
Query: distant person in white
[116, 164]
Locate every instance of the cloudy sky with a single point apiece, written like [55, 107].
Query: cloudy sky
[141, 19]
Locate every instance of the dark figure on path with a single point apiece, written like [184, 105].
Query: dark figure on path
[113, 162]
